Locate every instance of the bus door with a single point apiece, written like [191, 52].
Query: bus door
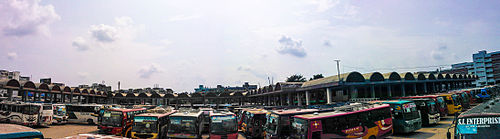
[47, 114]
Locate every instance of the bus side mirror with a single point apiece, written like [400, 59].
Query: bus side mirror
[448, 135]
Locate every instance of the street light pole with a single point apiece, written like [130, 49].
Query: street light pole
[338, 68]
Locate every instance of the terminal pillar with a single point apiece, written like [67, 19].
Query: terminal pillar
[372, 90]
[299, 100]
[415, 89]
[425, 87]
[403, 90]
[307, 98]
[328, 96]
[289, 99]
[389, 91]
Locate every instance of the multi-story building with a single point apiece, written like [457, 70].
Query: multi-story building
[221, 88]
[5, 74]
[486, 67]
[462, 68]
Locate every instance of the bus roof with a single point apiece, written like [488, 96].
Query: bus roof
[490, 108]
[17, 131]
[157, 114]
[293, 111]
[187, 113]
[257, 111]
[341, 111]
[126, 110]
[393, 101]
[220, 113]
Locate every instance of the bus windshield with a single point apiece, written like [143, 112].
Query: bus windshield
[432, 107]
[300, 128]
[31, 109]
[60, 110]
[112, 118]
[223, 124]
[145, 124]
[182, 125]
[478, 127]
[410, 111]
[441, 103]
[272, 124]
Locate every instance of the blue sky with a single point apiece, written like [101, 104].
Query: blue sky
[181, 44]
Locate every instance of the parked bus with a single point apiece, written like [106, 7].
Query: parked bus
[356, 120]
[27, 114]
[119, 121]
[12, 131]
[206, 118]
[151, 125]
[278, 123]
[46, 115]
[452, 103]
[428, 111]
[223, 125]
[185, 124]
[59, 114]
[465, 100]
[440, 103]
[83, 113]
[483, 95]
[406, 117]
[253, 123]
[482, 122]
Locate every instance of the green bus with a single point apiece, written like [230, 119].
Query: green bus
[405, 116]
[480, 122]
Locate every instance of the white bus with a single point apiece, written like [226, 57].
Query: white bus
[27, 114]
[83, 113]
[60, 116]
[46, 115]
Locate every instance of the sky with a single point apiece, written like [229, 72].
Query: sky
[182, 44]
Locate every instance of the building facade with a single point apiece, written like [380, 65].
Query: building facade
[462, 68]
[487, 67]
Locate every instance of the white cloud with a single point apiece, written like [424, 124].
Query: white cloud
[324, 5]
[104, 33]
[26, 17]
[11, 55]
[327, 43]
[123, 29]
[80, 43]
[438, 54]
[291, 46]
[252, 71]
[146, 71]
[183, 17]
[82, 75]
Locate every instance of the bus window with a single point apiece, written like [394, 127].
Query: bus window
[145, 124]
[47, 107]
[30, 109]
[300, 126]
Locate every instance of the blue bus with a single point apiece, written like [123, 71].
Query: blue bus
[12, 131]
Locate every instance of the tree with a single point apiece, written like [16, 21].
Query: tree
[317, 76]
[296, 78]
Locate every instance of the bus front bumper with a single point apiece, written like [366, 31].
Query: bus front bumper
[136, 135]
[110, 130]
[183, 136]
[228, 136]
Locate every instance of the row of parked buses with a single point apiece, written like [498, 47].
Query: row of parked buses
[44, 114]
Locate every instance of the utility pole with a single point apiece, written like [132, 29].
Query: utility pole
[338, 68]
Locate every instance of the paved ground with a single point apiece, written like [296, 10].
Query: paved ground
[60, 131]
[432, 132]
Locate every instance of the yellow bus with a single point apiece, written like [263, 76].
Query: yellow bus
[452, 103]
[151, 125]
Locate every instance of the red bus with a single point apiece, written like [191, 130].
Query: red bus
[278, 124]
[357, 120]
[440, 103]
[223, 125]
[118, 121]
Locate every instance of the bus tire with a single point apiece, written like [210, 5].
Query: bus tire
[90, 121]
[372, 137]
